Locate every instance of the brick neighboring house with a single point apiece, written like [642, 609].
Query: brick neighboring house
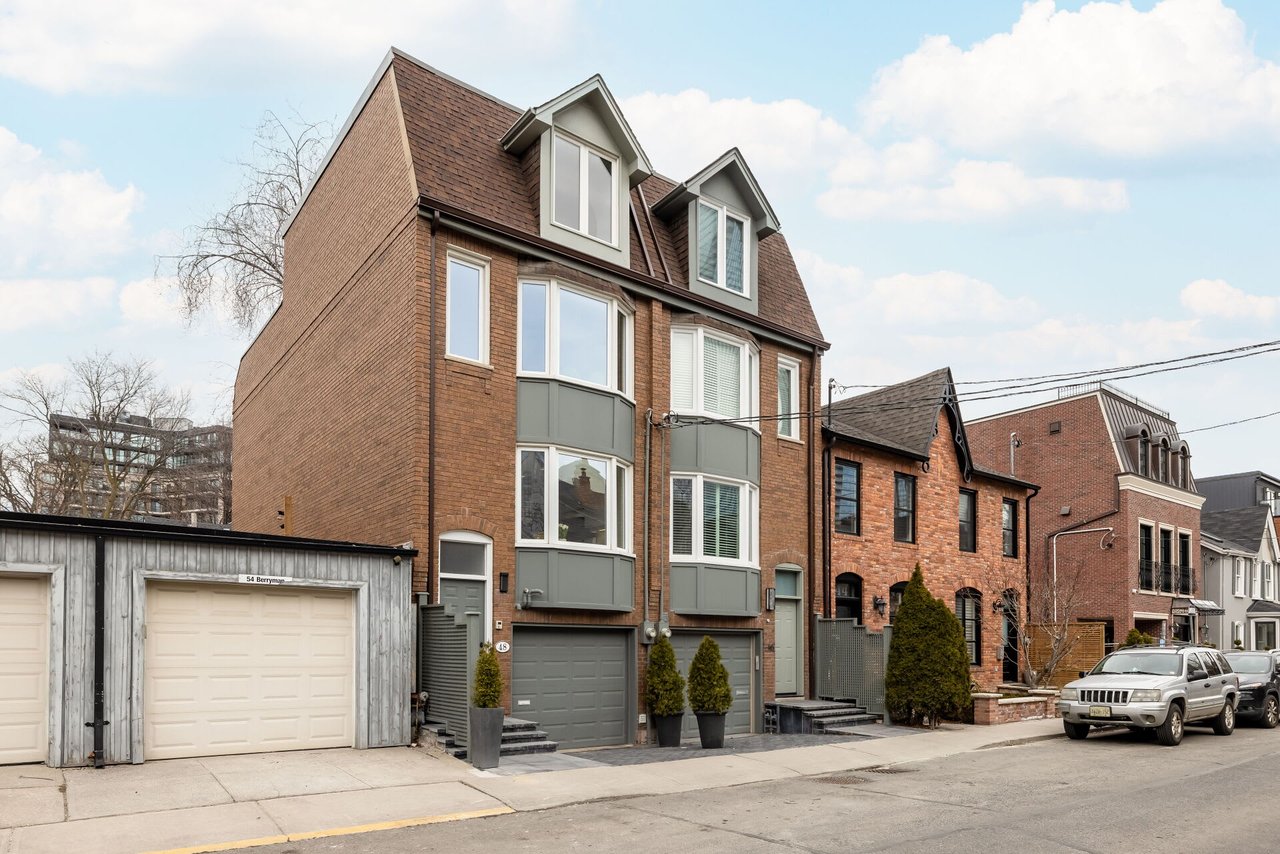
[1105, 459]
[1244, 489]
[488, 314]
[906, 491]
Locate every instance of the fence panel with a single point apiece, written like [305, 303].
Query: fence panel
[449, 645]
[850, 662]
[1085, 644]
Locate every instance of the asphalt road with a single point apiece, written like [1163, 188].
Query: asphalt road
[1113, 792]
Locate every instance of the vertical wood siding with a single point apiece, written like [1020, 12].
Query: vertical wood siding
[384, 626]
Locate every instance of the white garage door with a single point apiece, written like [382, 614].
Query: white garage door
[24, 670]
[238, 669]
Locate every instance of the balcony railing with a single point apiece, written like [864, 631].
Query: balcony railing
[1157, 577]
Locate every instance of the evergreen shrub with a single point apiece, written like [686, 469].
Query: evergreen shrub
[928, 671]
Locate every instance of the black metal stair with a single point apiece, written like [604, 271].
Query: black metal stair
[519, 737]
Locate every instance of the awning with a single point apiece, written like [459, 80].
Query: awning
[1207, 608]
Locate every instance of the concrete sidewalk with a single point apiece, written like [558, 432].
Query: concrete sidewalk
[223, 803]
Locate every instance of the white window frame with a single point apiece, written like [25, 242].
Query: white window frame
[1268, 582]
[480, 539]
[479, 262]
[748, 521]
[792, 366]
[1253, 634]
[1237, 633]
[749, 393]
[551, 501]
[1255, 578]
[722, 213]
[551, 336]
[1237, 577]
[583, 194]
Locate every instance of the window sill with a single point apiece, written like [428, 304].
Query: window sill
[589, 236]
[471, 363]
[791, 440]
[582, 384]
[710, 561]
[574, 547]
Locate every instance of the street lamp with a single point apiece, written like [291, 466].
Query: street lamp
[1103, 544]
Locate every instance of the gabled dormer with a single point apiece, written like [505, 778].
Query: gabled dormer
[726, 215]
[588, 161]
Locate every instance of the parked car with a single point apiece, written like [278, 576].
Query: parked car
[1259, 674]
[1158, 688]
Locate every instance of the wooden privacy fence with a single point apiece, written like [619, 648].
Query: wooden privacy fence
[448, 645]
[850, 662]
[1085, 645]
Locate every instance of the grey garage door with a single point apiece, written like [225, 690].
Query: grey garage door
[573, 682]
[738, 654]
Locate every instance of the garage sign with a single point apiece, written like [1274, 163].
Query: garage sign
[265, 579]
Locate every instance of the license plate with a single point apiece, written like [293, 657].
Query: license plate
[1099, 711]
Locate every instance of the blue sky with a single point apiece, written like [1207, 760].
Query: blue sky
[1007, 189]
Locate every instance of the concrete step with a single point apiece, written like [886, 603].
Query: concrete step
[520, 735]
[827, 725]
[517, 724]
[834, 712]
[519, 748]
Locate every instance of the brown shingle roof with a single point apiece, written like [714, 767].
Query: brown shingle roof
[902, 416]
[454, 136]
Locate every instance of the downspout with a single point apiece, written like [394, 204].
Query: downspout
[827, 444]
[648, 476]
[99, 650]
[1026, 604]
[811, 682]
[431, 413]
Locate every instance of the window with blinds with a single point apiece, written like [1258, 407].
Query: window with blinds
[721, 520]
[712, 520]
[722, 377]
[969, 610]
[712, 376]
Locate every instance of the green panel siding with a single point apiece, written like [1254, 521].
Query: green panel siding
[575, 683]
[556, 413]
[727, 450]
[573, 579]
[730, 591]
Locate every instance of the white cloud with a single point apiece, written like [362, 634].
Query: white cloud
[53, 218]
[789, 141]
[972, 190]
[150, 302]
[1107, 78]
[52, 303]
[158, 45]
[1216, 298]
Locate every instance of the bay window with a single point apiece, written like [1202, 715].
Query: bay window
[722, 247]
[573, 499]
[574, 335]
[713, 375]
[713, 519]
[585, 197]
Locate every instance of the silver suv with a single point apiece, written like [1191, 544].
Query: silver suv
[1157, 688]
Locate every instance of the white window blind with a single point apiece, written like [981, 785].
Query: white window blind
[682, 516]
[682, 366]
[721, 529]
[722, 377]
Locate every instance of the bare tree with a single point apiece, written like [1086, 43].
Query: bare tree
[95, 443]
[236, 259]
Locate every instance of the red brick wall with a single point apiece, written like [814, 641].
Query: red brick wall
[1076, 468]
[320, 405]
[881, 561]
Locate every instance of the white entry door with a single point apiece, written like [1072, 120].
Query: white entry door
[24, 669]
[240, 669]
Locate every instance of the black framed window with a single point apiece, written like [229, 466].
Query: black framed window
[848, 492]
[1146, 568]
[969, 610]
[1009, 527]
[904, 508]
[1166, 560]
[1185, 576]
[1144, 456]
[849, 596]
[968, 520]
[895, 599]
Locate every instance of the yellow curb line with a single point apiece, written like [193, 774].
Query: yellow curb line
[336, 831]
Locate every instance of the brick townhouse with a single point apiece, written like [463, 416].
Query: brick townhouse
[490, 316]
[1106, 460]
[905, 491]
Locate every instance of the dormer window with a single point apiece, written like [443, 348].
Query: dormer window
[722, 248]
[586, 192]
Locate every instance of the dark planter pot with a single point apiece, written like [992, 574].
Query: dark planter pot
[484, 737]
[711, 729]
[668, 727]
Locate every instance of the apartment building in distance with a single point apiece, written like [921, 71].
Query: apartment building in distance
[575, 385]
[1116, 525]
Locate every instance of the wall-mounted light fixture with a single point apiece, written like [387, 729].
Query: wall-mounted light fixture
[504, 578]
[879, 603]
[770, 598]
[997, 605]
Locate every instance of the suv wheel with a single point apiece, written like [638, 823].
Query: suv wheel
[1170, 732]
[1271, 712]
[1075, 732]
[1225, 722]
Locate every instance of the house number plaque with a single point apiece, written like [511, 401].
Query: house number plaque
[502, 646]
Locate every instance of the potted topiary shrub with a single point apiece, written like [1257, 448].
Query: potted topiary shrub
[664, 689]
[709, 693]
[484, 736]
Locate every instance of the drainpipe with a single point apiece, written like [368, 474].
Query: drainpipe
[431, 413]
[807, 630]
[648, 475]
[99, 650]
[1026, 558]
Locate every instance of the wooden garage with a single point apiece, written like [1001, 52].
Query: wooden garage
[123, 641]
